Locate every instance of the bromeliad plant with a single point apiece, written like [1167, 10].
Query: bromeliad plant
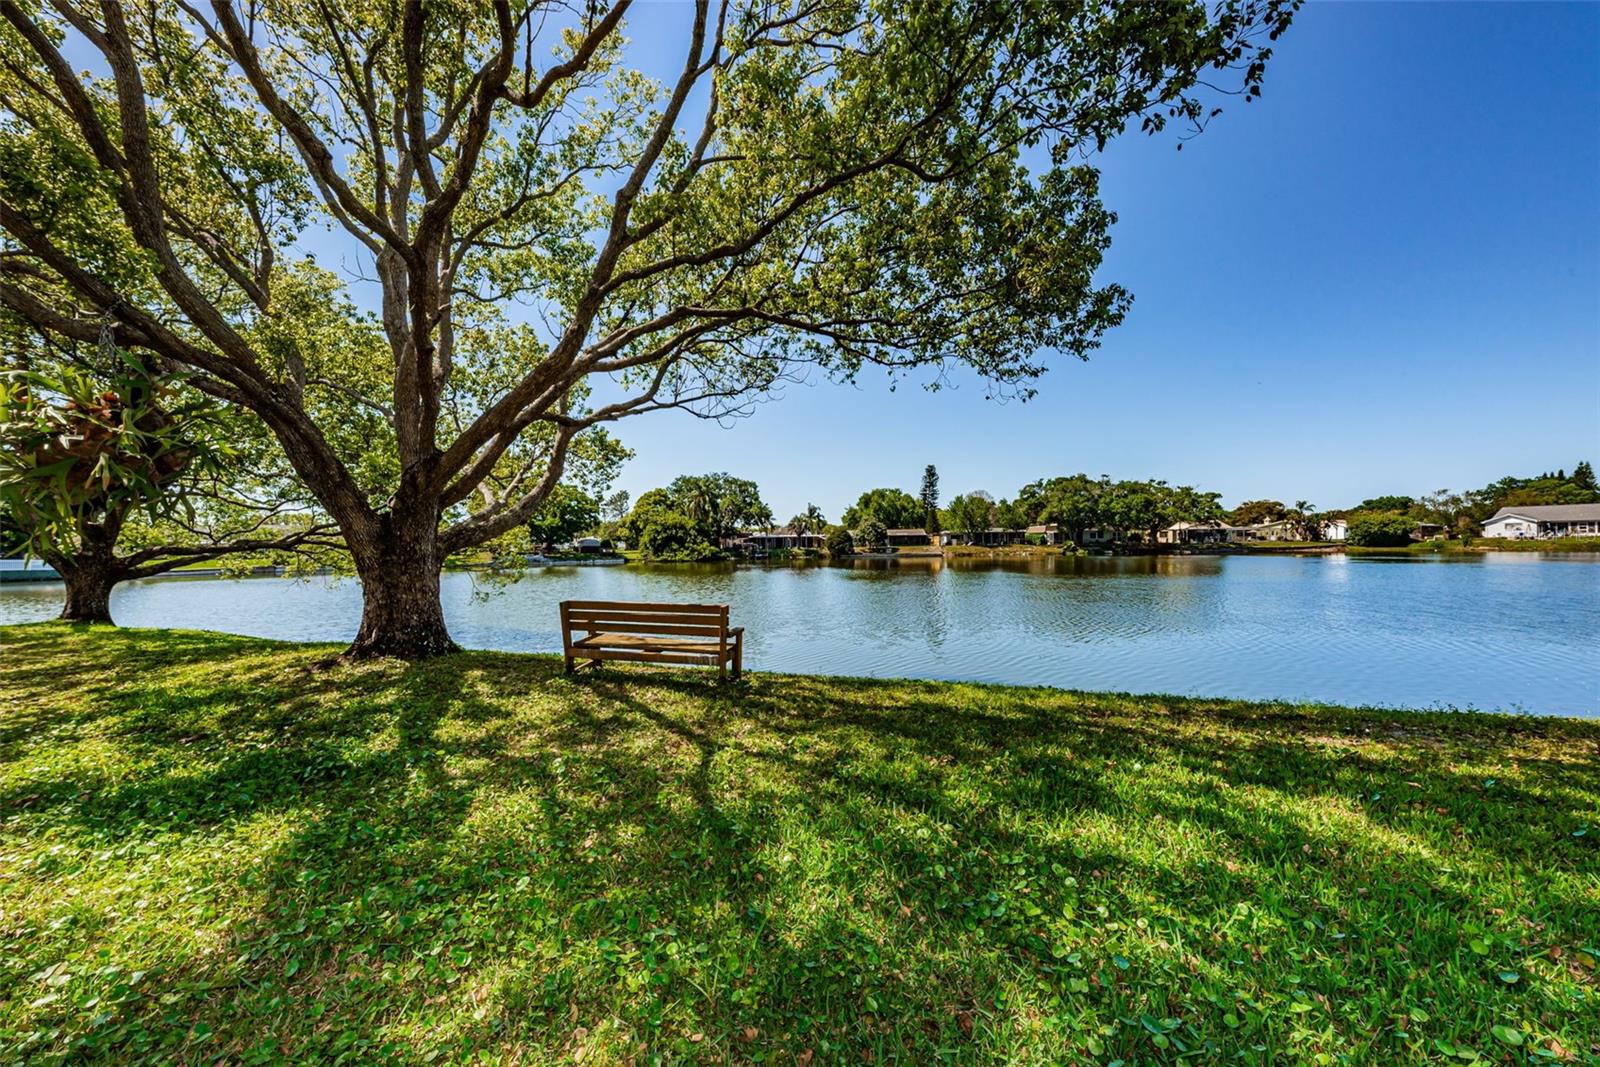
[73, 448]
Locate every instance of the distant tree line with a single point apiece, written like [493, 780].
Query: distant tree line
[1460, 514]
[1076, 503]
[697, 517]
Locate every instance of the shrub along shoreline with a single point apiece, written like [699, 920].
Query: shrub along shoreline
[216, 847]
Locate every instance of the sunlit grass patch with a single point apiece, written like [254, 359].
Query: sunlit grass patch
[213, 848]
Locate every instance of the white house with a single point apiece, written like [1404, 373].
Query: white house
[1335, 529]
[1546, 520]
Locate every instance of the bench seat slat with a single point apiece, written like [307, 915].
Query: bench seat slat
[707, 648]
[657, 608]
[596, 620]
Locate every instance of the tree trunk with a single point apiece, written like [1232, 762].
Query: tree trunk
[89, 574]
[401, 615]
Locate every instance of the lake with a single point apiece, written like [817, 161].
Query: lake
[1498, 631]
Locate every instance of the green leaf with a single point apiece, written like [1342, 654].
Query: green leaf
[1507, 1035]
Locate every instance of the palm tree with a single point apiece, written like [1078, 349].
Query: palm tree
[700, 506]
[1304, 521]
[809, 521]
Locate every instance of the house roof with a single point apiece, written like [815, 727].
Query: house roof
[1551, 513]
[1043, 527]
[907, 533]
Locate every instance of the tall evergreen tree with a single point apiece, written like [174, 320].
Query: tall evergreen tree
[930, 498]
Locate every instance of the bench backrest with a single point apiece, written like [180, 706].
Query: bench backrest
[632, 617]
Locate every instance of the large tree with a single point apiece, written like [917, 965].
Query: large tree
[832, 183]
[720, 504]
[894, 508]
[1252, 512]
[112, 473]
[969, 515]
[564, 514]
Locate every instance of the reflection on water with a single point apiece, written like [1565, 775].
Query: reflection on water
[1501, 631]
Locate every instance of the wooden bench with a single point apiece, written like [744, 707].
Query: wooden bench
[693, 634]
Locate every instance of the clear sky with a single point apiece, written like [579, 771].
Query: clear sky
[1383, 276]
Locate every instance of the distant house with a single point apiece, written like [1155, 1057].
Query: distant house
[994, 537]
[1335, 529]
[586, 544]
[1542, 521]
[1049, 531]
[1202, 533]
[784, 538]
[909, 538]
[1281, 530]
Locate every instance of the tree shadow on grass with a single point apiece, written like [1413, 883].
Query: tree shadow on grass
[478, 855]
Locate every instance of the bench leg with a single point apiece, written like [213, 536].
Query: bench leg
[571, 666]
[738, 656]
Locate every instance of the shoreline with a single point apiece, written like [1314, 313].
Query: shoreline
[331, 650]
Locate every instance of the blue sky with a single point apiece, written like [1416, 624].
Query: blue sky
[1383, 276]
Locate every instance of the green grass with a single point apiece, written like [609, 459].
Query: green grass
[1486, 544]
[217, 849]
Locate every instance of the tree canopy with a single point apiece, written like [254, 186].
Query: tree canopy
[694, 514]
[968, 514]
[895, 509]
[562, 515]
[1254, 512]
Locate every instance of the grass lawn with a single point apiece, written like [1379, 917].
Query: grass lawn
[217, 849]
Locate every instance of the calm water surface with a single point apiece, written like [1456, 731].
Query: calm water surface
[1503, 631]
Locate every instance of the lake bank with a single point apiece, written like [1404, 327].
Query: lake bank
[217, 848]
